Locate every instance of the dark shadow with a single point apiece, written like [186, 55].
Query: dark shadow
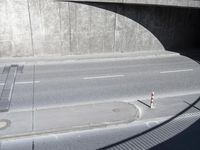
[188, 139]
[177, 28]
[183, 135]
[193, 106]
[144, 103]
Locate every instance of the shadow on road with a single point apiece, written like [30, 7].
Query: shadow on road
[193, 106]
[143, 103]
[187, 139]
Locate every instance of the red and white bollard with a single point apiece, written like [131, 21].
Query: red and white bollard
[152, 100]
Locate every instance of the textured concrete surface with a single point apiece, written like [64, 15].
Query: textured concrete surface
[48, 27]
[66, 118]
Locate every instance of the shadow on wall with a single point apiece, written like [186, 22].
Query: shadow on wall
[177, 29]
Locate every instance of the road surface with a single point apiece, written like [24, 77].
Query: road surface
[60, 84]
[175, 81]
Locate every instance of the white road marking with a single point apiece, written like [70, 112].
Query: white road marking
[175, 71]
[103, 77]
[27, 82]
[19, 83]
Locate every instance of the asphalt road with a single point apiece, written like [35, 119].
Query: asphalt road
[175, 81]
[63, 84]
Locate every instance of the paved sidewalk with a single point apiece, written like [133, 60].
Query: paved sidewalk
[66, 118]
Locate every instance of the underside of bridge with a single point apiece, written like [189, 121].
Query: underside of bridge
[49, 27]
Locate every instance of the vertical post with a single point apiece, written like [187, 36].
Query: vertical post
[152, 100]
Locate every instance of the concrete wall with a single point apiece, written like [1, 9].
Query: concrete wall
[15, 37]
[47, 27]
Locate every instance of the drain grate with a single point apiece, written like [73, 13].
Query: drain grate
[6, 95]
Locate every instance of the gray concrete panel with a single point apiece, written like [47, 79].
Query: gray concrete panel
[65, 28]
[19, 20]
[80, 27]
[15, 29]
[36, 26]
[45, 17]
[73, 27]
[125, 30]
[51, 26]
[5, 31]
[109, 28]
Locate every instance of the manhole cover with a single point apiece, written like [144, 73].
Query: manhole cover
[116, 110]
[4, 124]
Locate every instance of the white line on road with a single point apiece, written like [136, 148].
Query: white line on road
[19, 83]
[103, 77]
[176, 71]
[27, 82]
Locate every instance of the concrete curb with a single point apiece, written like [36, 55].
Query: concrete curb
[85, 58]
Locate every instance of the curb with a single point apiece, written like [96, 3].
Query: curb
[85, 59]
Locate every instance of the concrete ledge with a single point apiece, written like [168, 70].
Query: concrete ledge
[86, 58]
[179, 3]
